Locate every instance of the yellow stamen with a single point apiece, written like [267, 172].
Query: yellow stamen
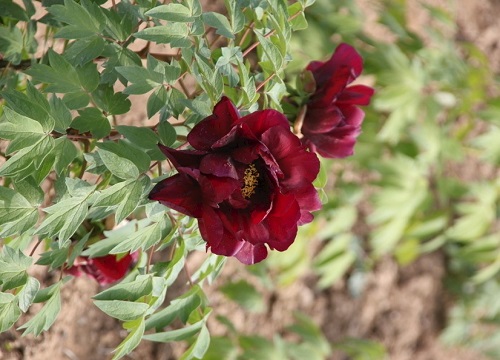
[251, 181]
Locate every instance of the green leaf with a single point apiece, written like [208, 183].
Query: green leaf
[81, 23]
[361, 349]
[175, 34]
[299, 22]
[310, 333]
[156, 101]
[17, 214]
[92, 119]
[26, 160]
[144, 238]
[28, 293]
[489, 145]
[76, 100]
[9, 311]
[171, 12]
[143, 80]
[21, 130]
[111, 102]
[32, 105]
[88, 76]
[31, 191]
[65, 152]
[54, 258]
[131, 291]
[13, 266]
[84, 50]
[139, 136]
[396, 203]
[113, 238]
[166, 133]
[11, 44]
[181, 307]
[236, 16]
[334, 260]
[218, 22]
[244, 294]
[122, 310]
[44, 319]
[61, 114]
[176, 335]
[125, 196]
[66, 216]
[272, 60]
[477, 216]
[132, 340]
[123, 160]
[200, 346]
[60, 76]
[13, 10]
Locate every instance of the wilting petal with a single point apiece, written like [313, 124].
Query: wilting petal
[179, 192]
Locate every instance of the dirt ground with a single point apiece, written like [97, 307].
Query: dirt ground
[404, 308]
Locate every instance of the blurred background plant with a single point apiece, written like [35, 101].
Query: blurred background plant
[424, 180]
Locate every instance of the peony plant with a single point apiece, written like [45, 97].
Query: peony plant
[85, 192]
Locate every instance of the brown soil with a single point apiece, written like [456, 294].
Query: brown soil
[404, 308]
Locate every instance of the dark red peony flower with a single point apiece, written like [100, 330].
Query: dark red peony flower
[248, 181]
[106, 269]
[332, 121]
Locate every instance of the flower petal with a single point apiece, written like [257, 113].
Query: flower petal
[179, 192]
[322, 119]
[299, 166]
[219, 165]
[260, 121]
[282, 221]
[220, 240]
[308, 200]
[345, 56]
[182, 158]
[216, 189]
[213, 128]
[251, 254]
[356, 95]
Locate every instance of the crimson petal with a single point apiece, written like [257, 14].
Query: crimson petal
[251, 254]
[214, 127]
[179, 192]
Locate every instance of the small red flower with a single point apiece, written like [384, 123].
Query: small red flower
[105, 270]
[332, 121]
[248, 181]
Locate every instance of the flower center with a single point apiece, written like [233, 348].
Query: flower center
[250, 180]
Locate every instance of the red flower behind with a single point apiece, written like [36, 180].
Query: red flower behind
[105, 270]
[248, 181]
[333, 121]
